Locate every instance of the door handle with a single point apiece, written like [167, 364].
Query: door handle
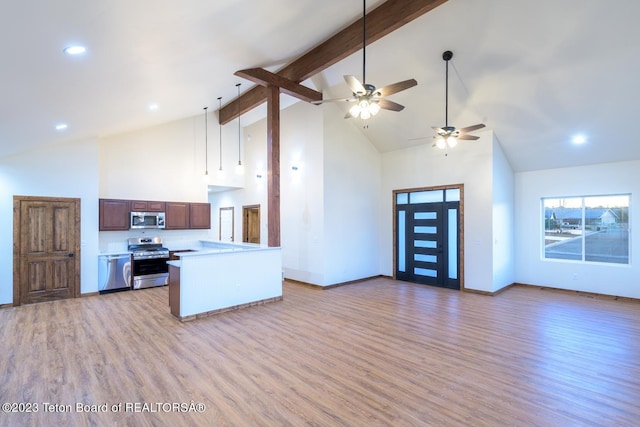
[71, 255]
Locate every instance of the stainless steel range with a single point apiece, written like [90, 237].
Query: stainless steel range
[149, 262]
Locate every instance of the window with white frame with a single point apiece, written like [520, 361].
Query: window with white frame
[587, 229]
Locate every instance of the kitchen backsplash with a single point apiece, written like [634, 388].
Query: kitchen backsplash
[116, 241]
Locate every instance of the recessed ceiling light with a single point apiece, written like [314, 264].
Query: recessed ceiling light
[153, 107]
[75, 50]
[579, 139]
[61, 126]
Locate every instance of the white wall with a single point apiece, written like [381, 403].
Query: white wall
[66, 170]
[503, 219]
[329, 207]
[531, 187]
[166, 162]
[352, 179]
[301, 191]
[470, 163]
[250, 190]
[302, 205]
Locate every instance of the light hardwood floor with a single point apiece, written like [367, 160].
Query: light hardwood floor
[375, 353]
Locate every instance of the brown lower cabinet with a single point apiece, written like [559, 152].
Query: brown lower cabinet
[174, 290]
[174, 257]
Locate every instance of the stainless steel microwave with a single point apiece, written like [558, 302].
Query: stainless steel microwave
[147, 220]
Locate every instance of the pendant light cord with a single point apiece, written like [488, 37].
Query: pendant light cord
[239, 161]
[206, 143]
[220, 131]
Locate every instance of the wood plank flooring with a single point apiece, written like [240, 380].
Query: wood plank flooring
[376, 353]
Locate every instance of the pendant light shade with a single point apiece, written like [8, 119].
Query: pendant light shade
[239, 167]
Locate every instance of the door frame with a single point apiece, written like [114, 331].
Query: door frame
[460, 225]
[17, 200]
[245, 223]
[233, 222]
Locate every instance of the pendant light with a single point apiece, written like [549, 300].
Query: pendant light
[206, 147]
[220, 136]
[239, 167]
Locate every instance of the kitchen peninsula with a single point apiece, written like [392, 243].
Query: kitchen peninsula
[216, 277]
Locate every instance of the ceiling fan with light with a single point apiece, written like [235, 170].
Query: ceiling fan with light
[448, 136]
[369, 100]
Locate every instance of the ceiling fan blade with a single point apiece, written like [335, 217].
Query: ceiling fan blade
[322, 101]
[390, 105]
[355, 85]
[471, 128]
[348, 115]
[419, 138]
[396, 87]
[439, 131]
[469, 137]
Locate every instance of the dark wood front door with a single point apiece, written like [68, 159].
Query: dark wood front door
[46, 254]
[428, 230]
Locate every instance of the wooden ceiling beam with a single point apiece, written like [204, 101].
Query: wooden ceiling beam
[381, 21]
[266, 78]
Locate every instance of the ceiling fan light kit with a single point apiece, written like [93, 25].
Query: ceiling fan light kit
[365, 108]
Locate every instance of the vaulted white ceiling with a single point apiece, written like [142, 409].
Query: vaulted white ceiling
[535, 73]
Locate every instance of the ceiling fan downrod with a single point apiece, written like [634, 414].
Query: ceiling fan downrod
[364, 42]
[447, 55]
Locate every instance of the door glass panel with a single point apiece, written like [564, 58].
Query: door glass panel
[431, 244]
[422, 229]
[402, 198]
[425, 272]
[452, 243]
[401, 241]
[425, 258]
[452, 195]
[433, 196]
[425, 215]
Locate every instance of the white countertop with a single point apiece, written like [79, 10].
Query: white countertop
[114, 253]
[198, 247]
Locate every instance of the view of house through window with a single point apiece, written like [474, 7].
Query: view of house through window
[591, 228]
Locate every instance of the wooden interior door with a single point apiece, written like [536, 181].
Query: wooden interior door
[46, 249]
[251, 224]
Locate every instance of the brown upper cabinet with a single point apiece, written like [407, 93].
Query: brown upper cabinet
[114, 214]
[200, 215]
[145, 206]
[177, 216]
